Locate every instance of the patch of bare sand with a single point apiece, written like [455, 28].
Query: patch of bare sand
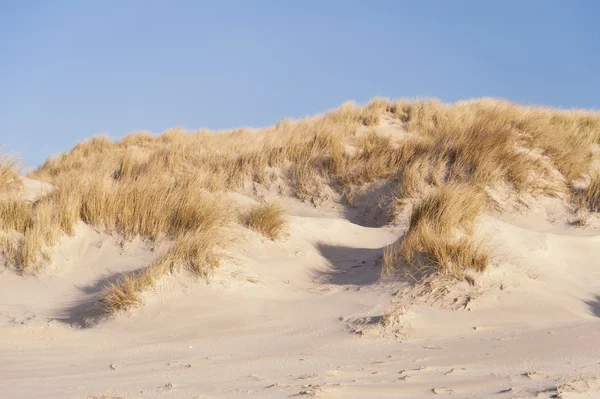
[308, 316]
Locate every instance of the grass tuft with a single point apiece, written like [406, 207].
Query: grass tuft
[199, 253]
[268, 219]
[588, 198]
[439, 236]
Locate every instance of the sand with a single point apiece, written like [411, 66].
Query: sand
[302, 316]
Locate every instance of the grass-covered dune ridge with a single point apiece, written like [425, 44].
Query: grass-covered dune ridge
[441, 158]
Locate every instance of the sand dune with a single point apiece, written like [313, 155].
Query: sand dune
[309, 313]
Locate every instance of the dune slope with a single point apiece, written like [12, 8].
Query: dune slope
[291, 263]
[303, 315]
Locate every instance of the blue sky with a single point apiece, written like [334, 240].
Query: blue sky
[72, 69]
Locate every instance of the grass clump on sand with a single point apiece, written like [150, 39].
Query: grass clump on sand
[268, 219]
[588, 198]
[592, 193]
[152, 208]
[198, 252]
[438, 237]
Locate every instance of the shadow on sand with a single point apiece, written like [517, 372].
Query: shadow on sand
[355, 266]
[594, 305]
[370, 208]
[87, 312]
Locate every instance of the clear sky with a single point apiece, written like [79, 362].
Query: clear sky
[72, 69]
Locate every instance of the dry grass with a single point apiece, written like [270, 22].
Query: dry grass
[10, 247]
[152, 208]
[448, 207]
[198, 252]
[168, 186]
[592, 193]
[125, 293]
[439, 236]
[14, 215]
[564, 136]
[589, 198]
[9, 172]
[268, 219]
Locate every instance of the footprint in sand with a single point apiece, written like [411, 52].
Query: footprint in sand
[310, 390]
[454, 371]
[332, 373]
[307, 376]
[405, 374]
[443, 391]
[533, 375]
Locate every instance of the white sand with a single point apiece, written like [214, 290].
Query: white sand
[301, 317]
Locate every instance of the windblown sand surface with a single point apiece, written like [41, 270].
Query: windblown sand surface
[308, 316]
